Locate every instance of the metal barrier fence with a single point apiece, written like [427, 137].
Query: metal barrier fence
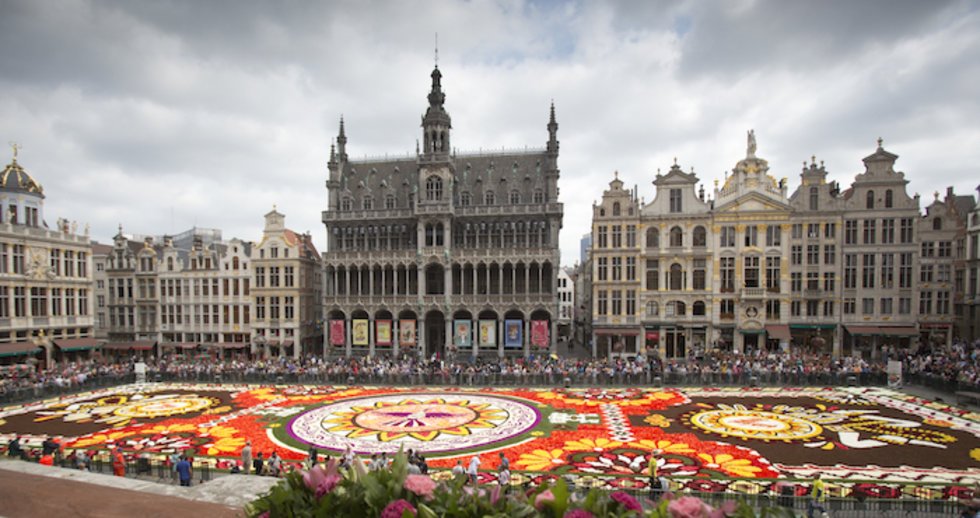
[136, 466]
[13, 396]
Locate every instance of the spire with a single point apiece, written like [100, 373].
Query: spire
[15, 147]
[552, 131]
[333, 154]
[342, 141]
[436, 122]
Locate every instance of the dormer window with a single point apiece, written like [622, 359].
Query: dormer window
[870, 203]
[433, 188]
[465, 199]
[539, 196]
[515, 197]
[489, 198]
[345, 204]
[367, 203]
[616, 209]
[390, 202]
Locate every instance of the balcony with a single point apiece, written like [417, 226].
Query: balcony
[812, 293]
[753, 293]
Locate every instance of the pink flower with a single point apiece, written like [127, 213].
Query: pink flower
[727, 509]
[397, 509]
[327, 484]
[543, 498]
[578, 513]
[264, 515]
[314, 477]
[688, 507]
[421, 485]
[627, 501]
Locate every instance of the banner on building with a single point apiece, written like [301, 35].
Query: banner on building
[360, 332]
[462, 333]
[382, 329]
[894, 374]
[337, 333]
[539, 333]
[488, 333]
[513, 333]
[406, 333]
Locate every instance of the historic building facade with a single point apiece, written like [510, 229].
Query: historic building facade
[755, 268]
[45, 277]
[443, 253]
[970, 323]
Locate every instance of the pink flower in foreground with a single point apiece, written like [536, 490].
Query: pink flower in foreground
[543, 498]
[314, 477]
[688, 507]
[264, 515]
[327, 484]
[627, 501]
[397, 509]
[578, 513]
[421, 485]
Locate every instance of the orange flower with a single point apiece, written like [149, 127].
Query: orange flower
[541, 460]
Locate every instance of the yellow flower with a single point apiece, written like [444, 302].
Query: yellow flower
[657, 420]
[173, 428]
[591, 444]
[942, 423]
[227, 445]
[725, 462]
[220, 431]
[662, 445]
[540, 460]
[100, 438]
[975, 454]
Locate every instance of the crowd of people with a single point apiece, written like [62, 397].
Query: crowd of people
[959, 363]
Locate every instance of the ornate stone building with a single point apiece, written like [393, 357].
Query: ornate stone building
[442, 253]
[45, 277]
[755, 268]
[970, 326]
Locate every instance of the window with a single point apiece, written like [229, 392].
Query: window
[602, 304]
[830, 230]
[772, 309]
[631, 236]
[813, 254]
[774, 235]
[288, 281]
[617, 302]
[814, 198]
[751, 235]
[904, 305]
[676, 237]
[797, 231]
[699, 238]
[602, 269]
[346, 204]
[653, 309]
[515, 197]
[928, 248]
[905, 270]
[259, 279]
[728, 236]
[616, 209]
[698, 309]
[829, 254]
[796, 282]
[677, 280]
[829, 282]
[630, 302]
[750, 271]
[630, 269]
[726, 309]
[850, 271]
[849, 306]
[772, 274]
[828, 308]
[367, 203]
[273, 276]
[700, 275]
[867, 306]
[937, 224]
[617, 268]
[888, 199]
[868, 272]
[888, 271]
[603, 240]
[675, 201]
[887, 231]
[727, 270]
[391, 202]
[617, 236]
[538, 196]
[813, 230]
[489, 198]
[925, 273]
[885, 306]
[653, 274]
[653, 238]
[813, 280]
[794, 308]
[433, 189]
[850, 232]
[906, 230]
[869, 231]
[870, 200]
[942, 302]
[812, 308]
[796, 255]
[944, 248]
[925, 302]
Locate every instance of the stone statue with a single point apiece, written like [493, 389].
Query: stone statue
[750, 152]
[74, 227]
[86, 229]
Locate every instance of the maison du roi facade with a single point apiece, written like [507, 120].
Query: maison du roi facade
[757, 267]
[443, 253]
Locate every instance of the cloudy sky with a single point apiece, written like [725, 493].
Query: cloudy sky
[166, 114]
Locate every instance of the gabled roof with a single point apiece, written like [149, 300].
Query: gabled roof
[304, 242]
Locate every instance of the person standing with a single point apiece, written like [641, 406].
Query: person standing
[257, 464]
[247, 457]
[184, 471]
[458, 470]
[118, 463]
[474, 470]
[818, 497]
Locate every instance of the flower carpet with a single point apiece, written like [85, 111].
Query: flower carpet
[715, 438]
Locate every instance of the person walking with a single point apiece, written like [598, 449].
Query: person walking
[818, 498]
[247, 457]
[184, 471]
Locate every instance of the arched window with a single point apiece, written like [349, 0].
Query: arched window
[433, 188]
[489, 198]
[653, 237]
[234, 263]
[814, 198]
[871, 200]
[675, 308]
[698, 309]
[170, 264]
[616, 209]
[465, 199]
[937, 224]
[653, 309]
[676, 277]
[676, 237]
[888, 199]
[700, 238]
[515, 197]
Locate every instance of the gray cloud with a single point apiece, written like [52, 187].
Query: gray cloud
[163, 115]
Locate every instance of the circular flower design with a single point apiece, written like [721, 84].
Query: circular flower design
[755, 424]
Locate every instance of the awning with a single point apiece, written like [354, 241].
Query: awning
[18, 349]
[864, 330]
[652, 335]
[179, 345]
[898, 331]
[287, 343]
[612, 331]
[142, 345]
[272, 343]
[76, 344]
[935, 325]
[231, 345]
[812, 326]
[778, 332]
[751, 331]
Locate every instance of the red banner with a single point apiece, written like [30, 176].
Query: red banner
[337, 333]
[539, 333]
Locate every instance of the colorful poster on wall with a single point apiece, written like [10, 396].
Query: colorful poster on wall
[539, 333]
[513, 333]
[488, 333]
[463, 333]
[406, 333]
[337, 333]
[360, 332]
[382, 329]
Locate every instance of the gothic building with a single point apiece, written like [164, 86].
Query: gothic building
[443, 253]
